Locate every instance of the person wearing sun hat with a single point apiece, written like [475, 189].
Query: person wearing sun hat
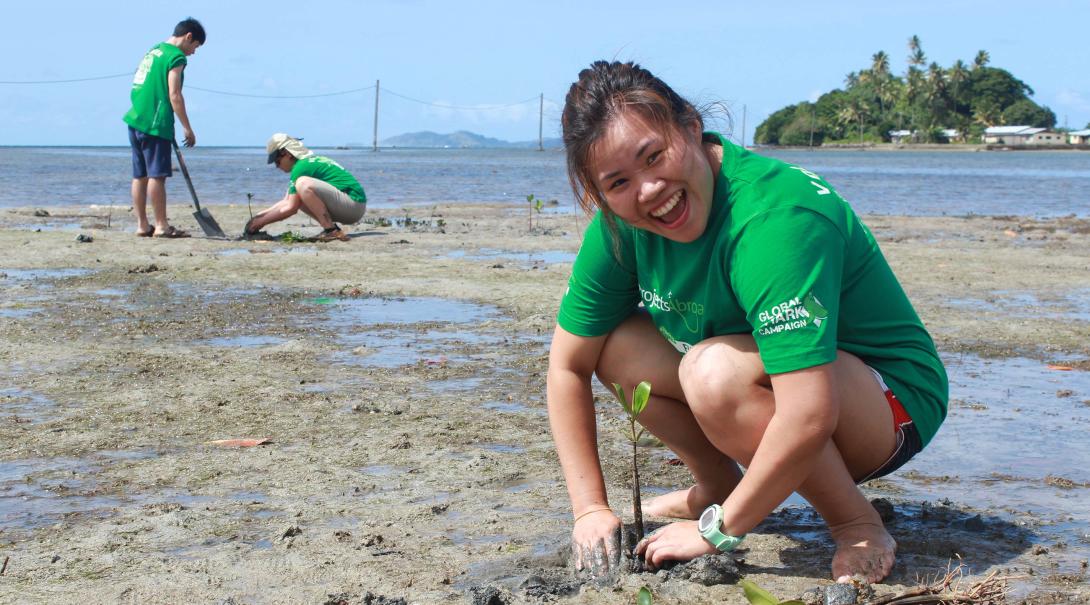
[319, 186]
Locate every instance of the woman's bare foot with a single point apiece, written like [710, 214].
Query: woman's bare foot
[865, 550]
[682, 504]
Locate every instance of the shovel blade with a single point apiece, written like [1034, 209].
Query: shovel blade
[208, 224]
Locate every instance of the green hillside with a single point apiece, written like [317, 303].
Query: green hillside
[926, 100]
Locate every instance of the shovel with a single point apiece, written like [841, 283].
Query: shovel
[204, 218]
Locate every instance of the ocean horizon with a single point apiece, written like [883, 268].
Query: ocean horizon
[926, 183]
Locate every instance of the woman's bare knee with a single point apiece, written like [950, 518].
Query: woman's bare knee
[720, 370]
[304, 185]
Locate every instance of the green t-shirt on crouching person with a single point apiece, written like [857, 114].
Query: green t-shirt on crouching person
[325, 169]
[783, 258]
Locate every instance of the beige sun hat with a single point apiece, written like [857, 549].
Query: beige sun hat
[288, 143]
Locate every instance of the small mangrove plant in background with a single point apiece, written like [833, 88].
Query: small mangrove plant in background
[640, 395]
[536, 203]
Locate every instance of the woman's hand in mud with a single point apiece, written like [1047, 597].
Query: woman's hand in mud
[596, 543]
[679, 541]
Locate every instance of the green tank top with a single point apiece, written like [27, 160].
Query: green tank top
[151, 112]
[785, 259]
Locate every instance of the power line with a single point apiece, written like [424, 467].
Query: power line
[242, 94]
[127, 74]
[469, 107]
[261, 96]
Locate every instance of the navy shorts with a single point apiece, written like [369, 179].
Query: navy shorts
[150, 155]
[908, 438]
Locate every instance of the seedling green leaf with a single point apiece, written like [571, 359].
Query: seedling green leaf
[624, 400]
[644, 597]
[640, 397]
[757, 595]
[536, 203]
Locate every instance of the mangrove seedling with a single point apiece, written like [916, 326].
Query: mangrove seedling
[536, 203]
[290, 237]
[759, 596]
[640, 396]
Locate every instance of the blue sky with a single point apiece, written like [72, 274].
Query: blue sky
[486, 57]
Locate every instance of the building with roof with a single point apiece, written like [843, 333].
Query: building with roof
[951, 134]
[911, 136]
[1022, 135]
[900, 136]
[1079, 137]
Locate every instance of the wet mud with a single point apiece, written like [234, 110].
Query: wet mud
[399, 381]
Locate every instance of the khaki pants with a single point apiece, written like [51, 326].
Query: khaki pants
[342, 209]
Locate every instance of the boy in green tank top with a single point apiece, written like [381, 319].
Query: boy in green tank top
[156, 99]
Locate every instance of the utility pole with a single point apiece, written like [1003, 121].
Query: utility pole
[813, 118]
[743, 126]
[541, 123]
[374, 143]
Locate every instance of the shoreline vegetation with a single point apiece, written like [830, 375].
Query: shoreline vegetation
[392, 389]
[927, 104]
[870, 146]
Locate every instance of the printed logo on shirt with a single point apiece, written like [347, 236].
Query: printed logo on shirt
[793, 314]
[652, 300]
[145, 66]
[681, 346]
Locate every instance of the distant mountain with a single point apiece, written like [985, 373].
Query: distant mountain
[461, 140]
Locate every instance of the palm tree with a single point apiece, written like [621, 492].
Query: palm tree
[982, 59]
[880, 63]
[854, 111]
[889, 92]
[936, 97]
[959, 75]
[987, 113]
[880, 79]
[915, 52]
[851, 80]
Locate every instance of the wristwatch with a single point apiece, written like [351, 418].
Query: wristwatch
[710, 524]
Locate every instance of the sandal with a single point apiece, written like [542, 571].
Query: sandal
[150, 232]
[334, 233]
[172, 233]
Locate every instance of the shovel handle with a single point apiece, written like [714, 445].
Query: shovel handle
[185, 173]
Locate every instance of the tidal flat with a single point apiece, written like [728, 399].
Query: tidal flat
[400, 379]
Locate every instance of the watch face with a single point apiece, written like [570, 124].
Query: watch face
[707, 518]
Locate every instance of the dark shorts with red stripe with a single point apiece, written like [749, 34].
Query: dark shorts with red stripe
[908, 438]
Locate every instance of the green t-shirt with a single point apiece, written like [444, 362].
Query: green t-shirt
[151, 111]
[783, 258]
[325, 169]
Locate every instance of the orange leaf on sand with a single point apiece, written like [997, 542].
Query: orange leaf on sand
[240, 442]
[1053, 366]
